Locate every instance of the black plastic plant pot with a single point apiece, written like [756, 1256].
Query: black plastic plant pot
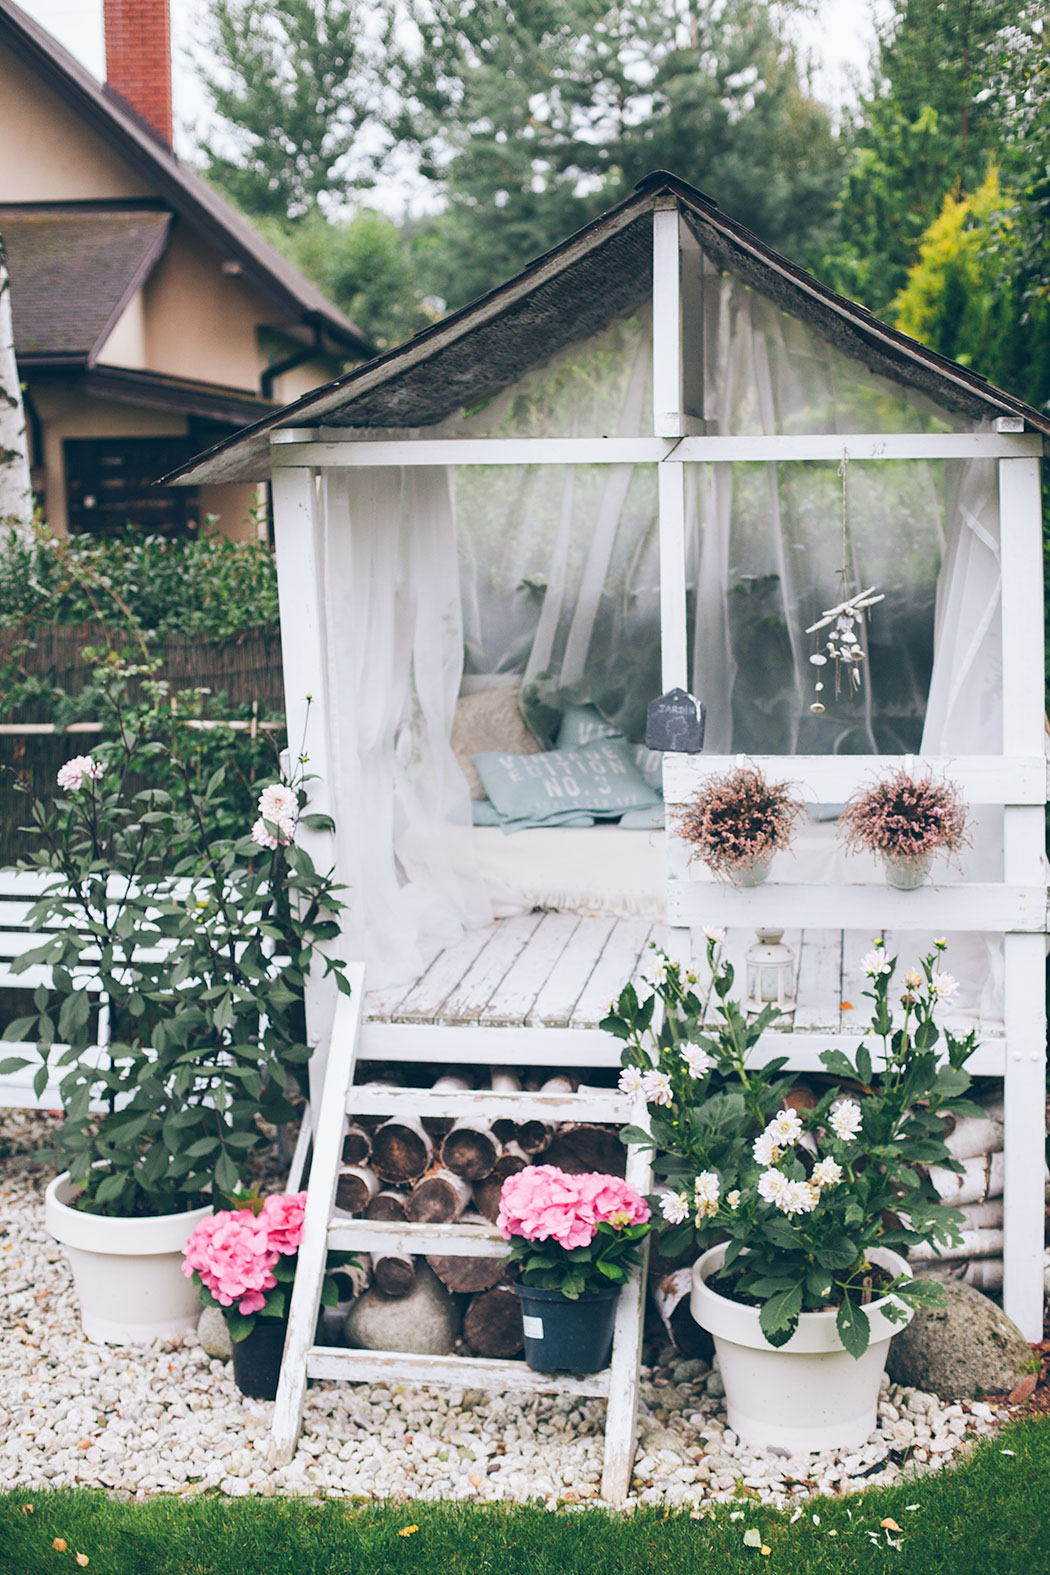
[257, 1359]
[567, 1336]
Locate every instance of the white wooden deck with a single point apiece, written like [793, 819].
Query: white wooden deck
[560, 971]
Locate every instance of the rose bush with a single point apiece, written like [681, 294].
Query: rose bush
[199, 945]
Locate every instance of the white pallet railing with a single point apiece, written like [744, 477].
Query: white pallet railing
[982, 779]
[323, 1230]
[1009, 909]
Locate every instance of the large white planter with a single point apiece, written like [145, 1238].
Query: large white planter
[808, 1394]
[128, 1273]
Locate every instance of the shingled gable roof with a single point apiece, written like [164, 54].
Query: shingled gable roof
[569, 294]
[188, 195]
[73, 271]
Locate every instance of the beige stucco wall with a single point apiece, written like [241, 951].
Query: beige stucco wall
[200, 322]
[234, 506]
[301, 379]
[126, 345]
[47, 154]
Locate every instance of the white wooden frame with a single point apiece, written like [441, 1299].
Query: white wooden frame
[1015, 908]
[618, 1384]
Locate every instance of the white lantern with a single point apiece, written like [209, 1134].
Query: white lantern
[770, 974]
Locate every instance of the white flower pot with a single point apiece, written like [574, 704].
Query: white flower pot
[809, 1394]
[754, 872]
[907, 874]
[127, 1272]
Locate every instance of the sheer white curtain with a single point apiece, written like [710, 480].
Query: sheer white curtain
[964, 711]
[395, 657]
[769, 542]
[766, 550]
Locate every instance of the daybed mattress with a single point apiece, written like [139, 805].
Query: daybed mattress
[605, 869]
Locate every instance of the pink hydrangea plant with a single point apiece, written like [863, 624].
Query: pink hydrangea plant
[283, 1213]
[231, 1253]
[543, 1203]
[235, 1251]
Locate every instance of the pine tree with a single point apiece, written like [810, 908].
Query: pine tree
[926, 131]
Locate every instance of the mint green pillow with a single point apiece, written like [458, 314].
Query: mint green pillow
[598, 779]
[644, 819]
[583, 724]
[650, 763]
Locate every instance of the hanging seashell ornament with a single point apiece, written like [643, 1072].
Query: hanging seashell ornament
[842, 643]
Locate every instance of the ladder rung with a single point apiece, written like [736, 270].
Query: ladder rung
[593, 1104]
[454, 1241]
[473, 1372]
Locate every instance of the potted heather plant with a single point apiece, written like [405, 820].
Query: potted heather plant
[736, 822]
[574, 1242]
[199, 944]
[906, 820]
[801, 1216]
[243, 1261]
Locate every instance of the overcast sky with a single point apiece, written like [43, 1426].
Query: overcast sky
[839, 41]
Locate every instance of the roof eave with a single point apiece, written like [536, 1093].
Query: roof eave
[362, 379]
[150, 159]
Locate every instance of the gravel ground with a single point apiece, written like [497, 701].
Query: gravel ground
[168, 1418]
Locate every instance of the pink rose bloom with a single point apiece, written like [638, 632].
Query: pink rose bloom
[266, 839]
[278, 803]
[75, 772]
[232, 1255]
[282, 1214]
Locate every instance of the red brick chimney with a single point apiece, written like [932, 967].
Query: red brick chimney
[138, 60]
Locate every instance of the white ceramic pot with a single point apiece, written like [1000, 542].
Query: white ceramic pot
[808, 1394]
[907, 874]
[753, 873]
[128, 1273]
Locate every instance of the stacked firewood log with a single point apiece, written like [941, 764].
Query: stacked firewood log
[432, 1170]
[977, 1192]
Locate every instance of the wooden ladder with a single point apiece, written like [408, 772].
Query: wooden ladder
[303, 1359]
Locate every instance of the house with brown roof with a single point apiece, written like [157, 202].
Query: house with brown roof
[150, 318]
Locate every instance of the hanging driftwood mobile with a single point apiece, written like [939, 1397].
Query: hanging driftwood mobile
[843, 644]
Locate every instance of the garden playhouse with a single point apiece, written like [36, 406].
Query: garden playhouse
[651, 460]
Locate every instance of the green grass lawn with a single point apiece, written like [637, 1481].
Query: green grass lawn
[991, 1515]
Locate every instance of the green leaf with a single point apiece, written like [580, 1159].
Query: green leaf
[240, 1327]
[110, 1188]
[837, 1064]
[225, 1173]
[76, 1009]
[13, 1063]
[18, 1028]
[864, 1065]
[317, 822]
[616, 1026]
[779, 1316]
[854, 1327]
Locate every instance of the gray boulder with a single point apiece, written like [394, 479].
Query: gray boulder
[967, 1347]
[213, 1334]
[425, 1322]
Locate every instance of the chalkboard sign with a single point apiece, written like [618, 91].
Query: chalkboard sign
[676, 722]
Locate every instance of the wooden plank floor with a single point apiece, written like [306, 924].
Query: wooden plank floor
[561, 970]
